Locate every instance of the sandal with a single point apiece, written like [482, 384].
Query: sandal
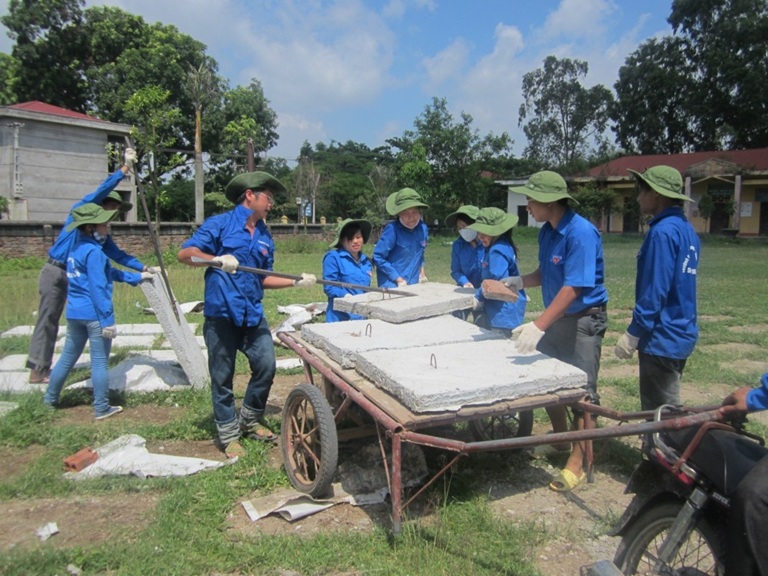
[234, 450]
[567, 481]
[259, 431]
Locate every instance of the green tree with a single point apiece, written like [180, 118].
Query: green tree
[204, 90]
[8, 74]
[561, 118]
[245, 114]
[595, 203]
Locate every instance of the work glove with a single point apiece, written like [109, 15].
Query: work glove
[130, 157]
[401, 282]
[626, 346]
[305, 281]
[423, 279]
[513, 283]
[526, 337]
[477, 305]
[109, 332]
[147, 276]
[152, 269]
[228, 263]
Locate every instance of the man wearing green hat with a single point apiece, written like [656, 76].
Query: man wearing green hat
[663, 328]
[346, 262]
[90, 313]
[399, 253]
[234, 314]
[466, 251]
[571, 275]
[52, 285]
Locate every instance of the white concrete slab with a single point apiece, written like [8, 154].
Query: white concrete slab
[450, 376]
[18, 362]
[18, 383]
[142, 374]
[27, 331]
[342, 341]
[198, 339]
[429, 299]
[120, 341]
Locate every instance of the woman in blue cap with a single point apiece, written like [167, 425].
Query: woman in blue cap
[90, 314]
[467, 251]
[399, 253]
[494, 227]
[347, 263]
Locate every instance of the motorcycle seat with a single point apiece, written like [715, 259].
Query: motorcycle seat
[723, 457]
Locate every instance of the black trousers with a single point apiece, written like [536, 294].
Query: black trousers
[746, 551]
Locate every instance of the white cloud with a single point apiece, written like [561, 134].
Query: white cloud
[582, 19]
[294, 129]
[446, 65]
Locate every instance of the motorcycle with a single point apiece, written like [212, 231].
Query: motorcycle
[677, 521]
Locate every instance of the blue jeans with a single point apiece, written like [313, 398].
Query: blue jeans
[223, 339]
[78, 333]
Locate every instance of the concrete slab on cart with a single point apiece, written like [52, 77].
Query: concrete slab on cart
[342, 341]
[450, 376]
[429, 299]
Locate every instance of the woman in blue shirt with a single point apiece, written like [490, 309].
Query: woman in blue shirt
[467, 251]
[90, 314]
[347, 263]
[494, 228]
[399, 253]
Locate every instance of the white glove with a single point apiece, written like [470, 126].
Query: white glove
[228, 263]
[401, 283]
[147, 276]
[423, 279]
[109, 332]
[477, 305]
[130, 157]
[513, 282]
[626, 346]
[306, 280]
[526, 337]
[152, 269]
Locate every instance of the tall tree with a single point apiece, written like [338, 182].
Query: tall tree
[561, 118]
[8, 75]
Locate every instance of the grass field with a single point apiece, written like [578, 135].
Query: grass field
[188, 533]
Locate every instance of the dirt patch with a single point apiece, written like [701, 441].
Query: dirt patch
[83, 414]
[623, 370]
[21, 460]
[733, 348]
[82, 521]
[751, 329]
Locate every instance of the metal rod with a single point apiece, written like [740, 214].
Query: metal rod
[262, 272]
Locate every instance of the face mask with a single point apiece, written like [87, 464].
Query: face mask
[410, 227]
[468, 234]
[100, 238]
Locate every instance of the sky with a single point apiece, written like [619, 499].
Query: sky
[365, 70]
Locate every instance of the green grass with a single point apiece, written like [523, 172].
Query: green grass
[188, 534]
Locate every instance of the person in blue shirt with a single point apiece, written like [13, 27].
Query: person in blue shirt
[663, 328]
[52, 285]
[494, 227]
[399, 252]
[467, 251]
[347, 263]
[234, 314]
[571, 275]
[90, 314]
[745, 550]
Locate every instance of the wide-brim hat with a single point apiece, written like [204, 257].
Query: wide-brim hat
[124, 206]
[545, 187]
[365, 230]
[252, 181]
[468, 211]
[89, 213]
[494, 221]
[402, 200]
[663, 179]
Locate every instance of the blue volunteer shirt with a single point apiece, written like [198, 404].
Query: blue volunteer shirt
[572, 255]
[757, 399]
[340, 266]
[466, 262]
[90, 276]
[500, 262]
[65, 242]
[664, 318]
[234, 296]
[400, 253]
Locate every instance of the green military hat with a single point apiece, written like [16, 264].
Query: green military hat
[89, 213]
[494, 222]
[252, 181]
[468, 211]
[665, 180]
[365, 230]
[124, 206]
[545, 186]
[402, 200]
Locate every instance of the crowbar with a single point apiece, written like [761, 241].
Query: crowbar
[261, 272]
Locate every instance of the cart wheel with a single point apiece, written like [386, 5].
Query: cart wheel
[512, 425]
[309, 442]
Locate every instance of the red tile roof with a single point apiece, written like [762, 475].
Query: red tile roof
[43, 108]
[751, 160]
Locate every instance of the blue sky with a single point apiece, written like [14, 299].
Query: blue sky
[364, 70]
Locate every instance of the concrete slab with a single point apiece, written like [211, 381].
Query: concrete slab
[18, 362]
[430, 299]
[142, 374]
[18, 383]
[342, 341]
[26, 331]
[198, 339]
[450, 376]
[120, 341]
